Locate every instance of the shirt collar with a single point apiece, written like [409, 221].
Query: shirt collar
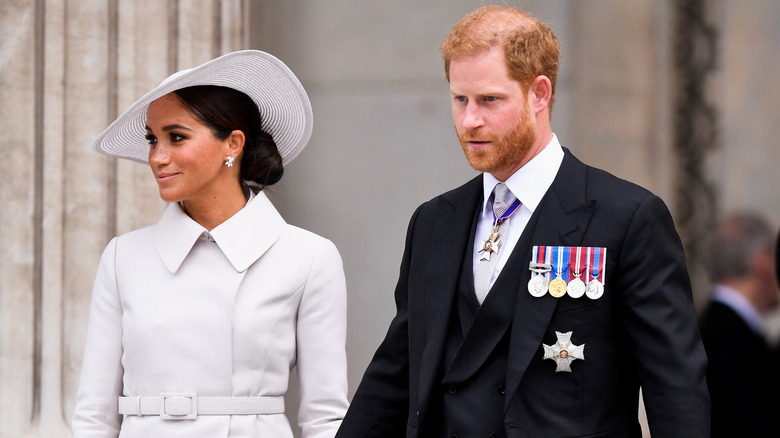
[530, 182]
[243, 238]
[739, 304]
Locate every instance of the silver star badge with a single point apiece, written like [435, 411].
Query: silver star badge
[564, 352]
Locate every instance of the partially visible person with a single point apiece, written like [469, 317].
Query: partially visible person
[742, 375]
[535, 300]
[777, 259]
[197, 321]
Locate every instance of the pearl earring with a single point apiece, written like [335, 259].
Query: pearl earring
[229, 161]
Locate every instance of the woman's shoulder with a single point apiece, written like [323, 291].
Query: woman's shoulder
[135, 239]
[300, 236]
[140, 234]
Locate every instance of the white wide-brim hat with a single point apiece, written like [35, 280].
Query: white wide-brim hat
[285, 109]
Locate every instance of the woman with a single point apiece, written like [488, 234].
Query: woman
[197, 321]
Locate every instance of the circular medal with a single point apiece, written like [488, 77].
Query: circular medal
[558, 287]
[576, 288]
[594, 290]
[537, 285]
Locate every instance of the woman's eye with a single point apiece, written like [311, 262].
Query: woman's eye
[176, 137]
[150, 138]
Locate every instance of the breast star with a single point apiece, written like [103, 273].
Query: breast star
[564, 352]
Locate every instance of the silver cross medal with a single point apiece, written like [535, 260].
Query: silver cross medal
[491, 244]
[564, 352]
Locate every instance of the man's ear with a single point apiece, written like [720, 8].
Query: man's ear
[540, 93]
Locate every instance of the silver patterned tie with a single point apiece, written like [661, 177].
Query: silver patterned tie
[502, 198]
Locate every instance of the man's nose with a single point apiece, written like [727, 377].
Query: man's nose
[472, 117]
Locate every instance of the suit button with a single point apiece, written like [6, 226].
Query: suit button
[501, 390]
[492, 435]
[453, 389]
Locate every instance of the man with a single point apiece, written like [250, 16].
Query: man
[544, 324]
[741, 379]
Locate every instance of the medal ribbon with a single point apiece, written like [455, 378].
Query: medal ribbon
[603, 264]
[548, 261]
[509, 212]
[597, 262]
[561, 255]
[542, 255]
[579, 265]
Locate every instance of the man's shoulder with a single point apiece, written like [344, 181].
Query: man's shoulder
[717, 318]
[600, 181]
[470, 191]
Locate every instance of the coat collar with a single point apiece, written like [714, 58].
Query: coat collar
[243, 238]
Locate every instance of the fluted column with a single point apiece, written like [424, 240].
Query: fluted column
[66, 70]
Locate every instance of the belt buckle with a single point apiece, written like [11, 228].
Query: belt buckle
[179, 406]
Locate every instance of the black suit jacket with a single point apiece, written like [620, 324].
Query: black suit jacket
[741, 375]
[642, 331]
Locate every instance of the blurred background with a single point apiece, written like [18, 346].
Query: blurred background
[681, 97]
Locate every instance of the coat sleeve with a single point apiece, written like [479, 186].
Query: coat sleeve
[321, 339]
[662, 327]
[96, 414]
[380, 406]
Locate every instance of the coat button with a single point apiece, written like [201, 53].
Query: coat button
[453, 389]
[492, 435]
[501, 390]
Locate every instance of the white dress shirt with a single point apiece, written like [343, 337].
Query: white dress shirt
[528, 184]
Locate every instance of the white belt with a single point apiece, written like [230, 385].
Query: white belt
[187, 405]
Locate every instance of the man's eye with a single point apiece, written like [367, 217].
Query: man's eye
[491, 98]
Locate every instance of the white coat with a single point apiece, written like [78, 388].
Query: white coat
[226, 313]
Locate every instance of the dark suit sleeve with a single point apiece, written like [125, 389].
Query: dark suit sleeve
[381, 404]
[661, 324]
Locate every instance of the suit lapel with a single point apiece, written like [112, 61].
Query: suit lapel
[561, 220]
[449, 241]
[490, 324]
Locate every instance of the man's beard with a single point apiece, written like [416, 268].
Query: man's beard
[505, 152]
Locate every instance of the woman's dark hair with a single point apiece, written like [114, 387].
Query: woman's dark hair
[225, 110]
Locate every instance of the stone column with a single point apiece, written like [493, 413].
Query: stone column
[20, 205]
[695, 133]
[67, 69]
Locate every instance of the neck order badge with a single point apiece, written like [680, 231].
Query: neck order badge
[492, 243]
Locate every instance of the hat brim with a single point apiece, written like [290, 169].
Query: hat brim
[284, 106]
